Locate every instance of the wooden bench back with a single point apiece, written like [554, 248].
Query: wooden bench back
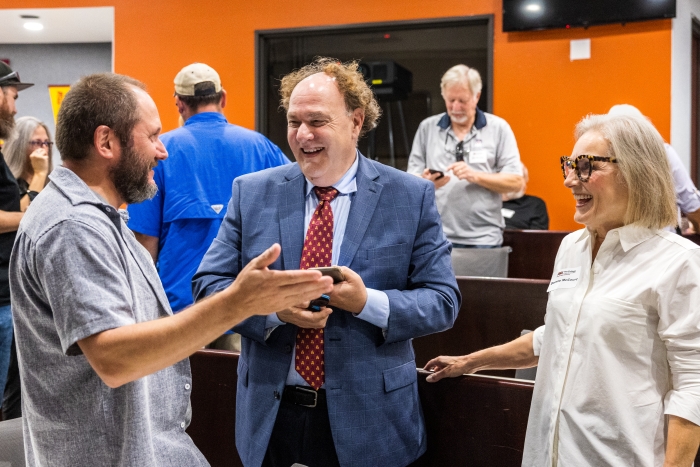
[494, 311]
[470, 421]
[533, 252]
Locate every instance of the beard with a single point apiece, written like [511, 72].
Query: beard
[130, 176]
[7, 122]
[459, 118]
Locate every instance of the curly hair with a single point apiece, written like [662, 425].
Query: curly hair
[351, 84]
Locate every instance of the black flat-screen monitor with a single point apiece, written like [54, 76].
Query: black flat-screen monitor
[526, 15]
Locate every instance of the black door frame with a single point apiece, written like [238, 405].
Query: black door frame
[695, 107]
[261, 37]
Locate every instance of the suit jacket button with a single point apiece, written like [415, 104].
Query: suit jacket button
[288, 348]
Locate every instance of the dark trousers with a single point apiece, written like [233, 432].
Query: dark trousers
[301, 435]
[12, 399]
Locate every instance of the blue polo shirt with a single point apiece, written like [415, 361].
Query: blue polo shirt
[194, 188]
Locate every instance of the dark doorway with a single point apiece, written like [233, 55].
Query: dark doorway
[695, 103]
[427, 48]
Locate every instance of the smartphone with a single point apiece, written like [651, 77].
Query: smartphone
[433, 171]
[319, 303]
[333, 271]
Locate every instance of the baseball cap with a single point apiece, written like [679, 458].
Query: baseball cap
[197, 79]
[11, 78]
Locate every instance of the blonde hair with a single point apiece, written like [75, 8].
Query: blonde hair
[351, 84]
[462, 74]
[643, 164]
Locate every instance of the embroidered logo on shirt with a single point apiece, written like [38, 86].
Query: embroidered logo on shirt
[217, 207]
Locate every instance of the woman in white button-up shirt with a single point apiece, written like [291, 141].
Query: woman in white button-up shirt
[618, 379]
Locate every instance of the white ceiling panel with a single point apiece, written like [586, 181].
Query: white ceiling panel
[61, 25]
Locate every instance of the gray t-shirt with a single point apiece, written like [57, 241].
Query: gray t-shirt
[77, 270]
[471, 214]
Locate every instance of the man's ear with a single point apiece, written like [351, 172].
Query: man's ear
[478, 96]
[222, 102]
[181, 106]
[358, 118]
[105, 142]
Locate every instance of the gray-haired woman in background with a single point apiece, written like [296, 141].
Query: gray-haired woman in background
[28, 154]
[618, 380]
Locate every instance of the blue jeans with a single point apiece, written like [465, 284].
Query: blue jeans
[5, 344]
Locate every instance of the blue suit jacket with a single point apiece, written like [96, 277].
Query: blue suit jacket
[394, 241]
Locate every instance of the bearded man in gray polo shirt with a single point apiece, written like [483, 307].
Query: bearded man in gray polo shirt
[472, 158]
[106, 380]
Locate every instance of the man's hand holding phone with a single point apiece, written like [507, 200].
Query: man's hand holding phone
[304, 318]
[350, 294]
[437, 177]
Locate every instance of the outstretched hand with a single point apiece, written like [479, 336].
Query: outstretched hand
[449, 367]
[263, 291]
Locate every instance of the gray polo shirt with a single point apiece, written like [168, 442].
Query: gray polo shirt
[77, 270]
[471, 214]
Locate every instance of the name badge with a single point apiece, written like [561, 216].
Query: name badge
[565, 279]
[507, 213]
[477, 157]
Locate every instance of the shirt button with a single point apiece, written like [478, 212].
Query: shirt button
[187, 386]
[182, 425]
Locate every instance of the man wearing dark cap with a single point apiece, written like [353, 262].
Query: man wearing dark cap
[194, 183]
[10, 214]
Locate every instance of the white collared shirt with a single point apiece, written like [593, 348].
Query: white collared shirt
[621, 348]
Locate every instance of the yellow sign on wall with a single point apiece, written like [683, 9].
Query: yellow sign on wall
[57, 93]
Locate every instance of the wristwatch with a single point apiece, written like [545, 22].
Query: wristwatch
[32, 194]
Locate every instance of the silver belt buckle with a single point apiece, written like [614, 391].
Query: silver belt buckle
[311, 391]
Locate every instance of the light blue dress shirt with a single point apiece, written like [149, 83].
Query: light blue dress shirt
[376, 310]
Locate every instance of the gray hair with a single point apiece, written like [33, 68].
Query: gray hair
[462, 74]
[644, 167]
[15, 150]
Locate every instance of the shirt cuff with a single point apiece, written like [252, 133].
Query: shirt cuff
[376, 310]
[537, 338]
[683, 404]
[271, 323]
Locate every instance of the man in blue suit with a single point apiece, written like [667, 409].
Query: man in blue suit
[337, 387]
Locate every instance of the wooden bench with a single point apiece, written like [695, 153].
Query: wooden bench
[470, 421]
[533, 252]
[213, 427]
[493, 311]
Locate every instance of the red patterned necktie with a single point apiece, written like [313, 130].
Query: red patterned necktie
[317, 252]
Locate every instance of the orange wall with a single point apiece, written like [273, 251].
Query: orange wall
[536, 88]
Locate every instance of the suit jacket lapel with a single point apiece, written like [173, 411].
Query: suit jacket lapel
[361, 209]
[291, 215]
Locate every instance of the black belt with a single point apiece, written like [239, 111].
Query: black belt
[304, 396]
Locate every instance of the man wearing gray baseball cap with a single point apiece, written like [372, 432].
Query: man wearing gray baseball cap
[10, 213]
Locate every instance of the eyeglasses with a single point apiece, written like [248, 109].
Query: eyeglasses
[39, 143]
[11, 77]
[583, 165]
[459, 151]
